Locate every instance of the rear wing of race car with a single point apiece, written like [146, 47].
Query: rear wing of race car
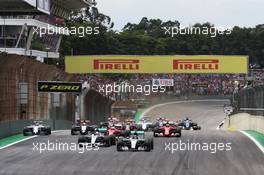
[102, 130]
[137, 132]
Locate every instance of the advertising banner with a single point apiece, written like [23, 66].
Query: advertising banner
[163, 82]
[197, 85]
[53, 86]
[212, 64]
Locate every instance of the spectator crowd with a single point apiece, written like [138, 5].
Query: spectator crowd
[206, 84]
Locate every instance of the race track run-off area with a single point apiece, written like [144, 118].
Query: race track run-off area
[244, 157]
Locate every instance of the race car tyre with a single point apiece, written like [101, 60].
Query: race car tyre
[179, 134]
[112, 140]
[148, 146]
[107, 142]
[73, 132]
[119, 146]
[47, 132]
[81, 141]
[25, 133]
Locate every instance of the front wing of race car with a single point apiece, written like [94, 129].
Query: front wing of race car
[36, 130]
[96, 141]
[134, 145]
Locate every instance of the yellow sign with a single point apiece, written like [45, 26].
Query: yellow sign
[158, 64]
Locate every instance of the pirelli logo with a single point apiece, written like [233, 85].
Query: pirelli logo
[116, 64]
[195, 64]
[53, 86]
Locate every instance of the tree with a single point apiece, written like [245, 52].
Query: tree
[148, 38]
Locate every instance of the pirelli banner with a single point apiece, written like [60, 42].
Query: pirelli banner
[158, 64]
[55, 86]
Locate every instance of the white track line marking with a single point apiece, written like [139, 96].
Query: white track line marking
[253, 140]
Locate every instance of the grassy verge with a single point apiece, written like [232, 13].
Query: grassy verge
[257, 136]
[138, 114]
[11, 139]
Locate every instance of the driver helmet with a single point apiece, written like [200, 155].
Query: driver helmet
[135, 136]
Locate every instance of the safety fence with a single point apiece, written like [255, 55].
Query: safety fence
[249, 100]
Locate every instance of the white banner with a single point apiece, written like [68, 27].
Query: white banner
[163, 82]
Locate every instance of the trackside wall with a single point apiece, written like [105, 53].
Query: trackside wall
[244, 121]
[14, 115]
[97, 107]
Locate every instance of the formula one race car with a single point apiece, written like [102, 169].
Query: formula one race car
[119, 126]
[82, 127]
[117, 132]
[167, 130]
[37, 128]
[97, 138]
[160, 122]
[188, 124]
[135, 142]
[104, 124]
[112, 121]
[130, 125]
[145, 124]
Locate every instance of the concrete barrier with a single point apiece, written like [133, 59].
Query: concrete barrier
[97, 108]
[245, 121]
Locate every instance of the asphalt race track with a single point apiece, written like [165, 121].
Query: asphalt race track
[243, 159]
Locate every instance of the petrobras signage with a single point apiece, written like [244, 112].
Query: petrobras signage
[163, 82]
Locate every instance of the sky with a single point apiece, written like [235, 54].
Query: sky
[222, 13]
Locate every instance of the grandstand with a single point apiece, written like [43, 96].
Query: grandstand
[20, 18]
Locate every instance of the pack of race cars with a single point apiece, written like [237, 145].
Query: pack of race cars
[131, 135]
[127, 135]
